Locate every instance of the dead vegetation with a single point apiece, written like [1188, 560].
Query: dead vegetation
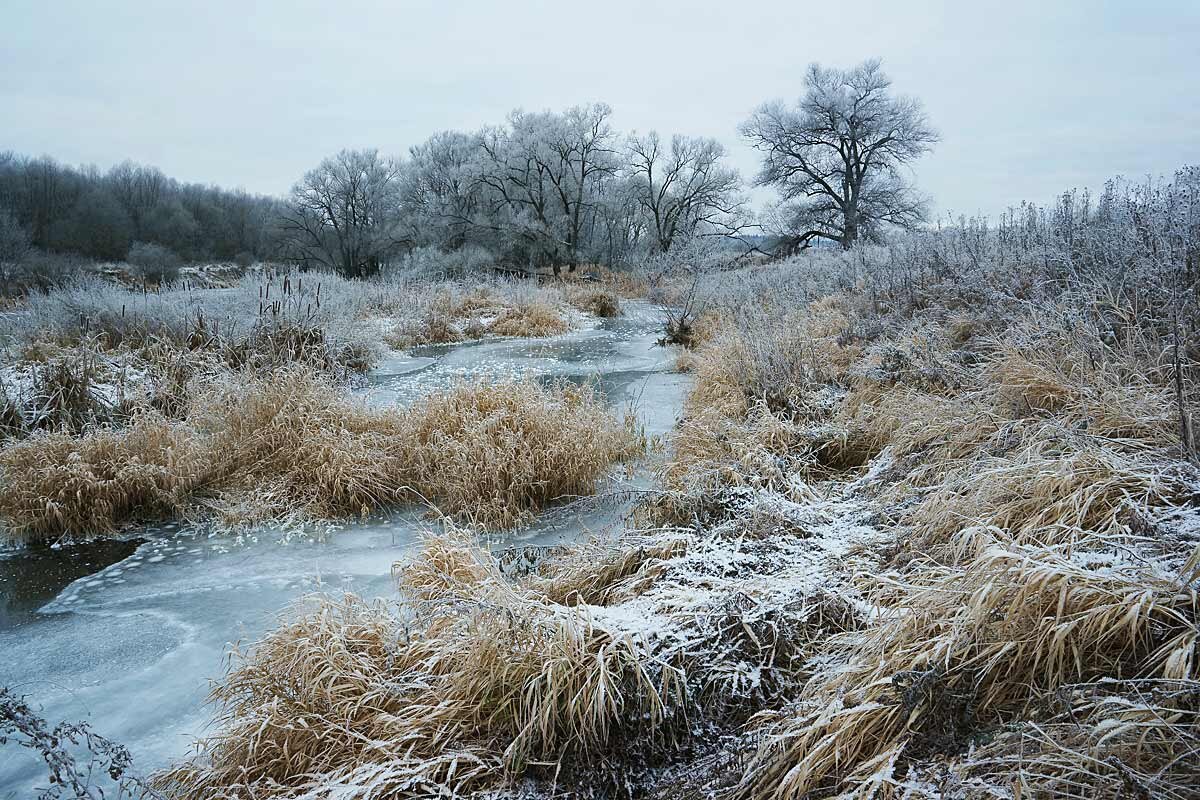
[293, 449]
[456, 314]
[928, 529]
[597, 301]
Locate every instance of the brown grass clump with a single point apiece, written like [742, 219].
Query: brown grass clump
[55, 483]
[531, 319]
[623, 283]
[292, 449]
[452, 317]
[599, 572]
[1107, 740]
[1110, 404]
[595, 301]
[968, 649]
[1049, 483]
[483, 683]
[494, 455]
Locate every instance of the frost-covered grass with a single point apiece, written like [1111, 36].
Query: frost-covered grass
[928, 528]
[270, 320]
[109, 397]
[603, 656]
[292, 448]
[459, 312]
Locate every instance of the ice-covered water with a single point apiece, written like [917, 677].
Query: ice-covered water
[126, 634]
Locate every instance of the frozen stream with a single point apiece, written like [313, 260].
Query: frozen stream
[127, 634]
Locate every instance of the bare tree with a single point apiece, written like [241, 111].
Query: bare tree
[683, 187]
[344, 215]
[836, 155]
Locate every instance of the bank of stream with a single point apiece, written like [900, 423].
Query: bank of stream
[126, 633]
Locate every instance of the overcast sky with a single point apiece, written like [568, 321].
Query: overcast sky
[1030, 97]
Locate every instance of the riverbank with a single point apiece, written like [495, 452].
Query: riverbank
[170, 609]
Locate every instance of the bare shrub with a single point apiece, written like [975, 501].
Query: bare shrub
[153, 263]
[62, 748]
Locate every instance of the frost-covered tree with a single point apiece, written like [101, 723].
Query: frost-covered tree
[836, 156]
[544, 174]
[683, 186]
[344, 215]
[439, 191]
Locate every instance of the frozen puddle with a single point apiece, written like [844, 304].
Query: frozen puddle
[127, 634]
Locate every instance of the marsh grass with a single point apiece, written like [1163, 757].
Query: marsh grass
[471, 683]
[293, 449]
[454, 313]
[578, 673]
[599, 302]
[1027, 459]
[966, 649]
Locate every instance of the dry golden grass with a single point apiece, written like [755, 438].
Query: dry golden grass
[1048, 483]
[623, 283]
[531, 319]
[56, 484]
[293, 448]
[601, 571]
[1111, 404]
[1107, 740]
[972, 647]
[472, 683]
[454, 316]
[596, 301]
[494, 455]
[1020, 472]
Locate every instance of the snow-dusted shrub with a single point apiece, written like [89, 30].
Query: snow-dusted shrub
[153, 262]
[431, 263]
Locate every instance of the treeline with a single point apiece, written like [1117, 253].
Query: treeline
[55, 208]
[544, 189]
[541, 190]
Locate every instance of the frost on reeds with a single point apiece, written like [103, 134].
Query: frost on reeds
[293, 448]
[1031, 627]
[597, 301]
[471, 682]
[964, 652]
[494, 455]
[453, 314]
[582, 671]
[56, 483]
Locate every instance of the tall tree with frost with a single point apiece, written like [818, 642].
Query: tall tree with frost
[836, 156]
[545, 174]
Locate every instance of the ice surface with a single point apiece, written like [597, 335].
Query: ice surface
[131, 646]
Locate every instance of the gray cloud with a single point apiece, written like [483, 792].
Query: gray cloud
[1031, 97]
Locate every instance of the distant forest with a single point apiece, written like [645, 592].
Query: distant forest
[100, 215]
[541, 190]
